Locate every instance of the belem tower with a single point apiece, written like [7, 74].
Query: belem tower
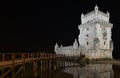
[94, 40]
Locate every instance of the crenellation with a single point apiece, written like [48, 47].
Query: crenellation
[104, 14]
[88, 14]
[95, 15]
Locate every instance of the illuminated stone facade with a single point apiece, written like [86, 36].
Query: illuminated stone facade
[94, 40]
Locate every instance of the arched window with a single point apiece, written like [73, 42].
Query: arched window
[87, 35]
[87, 29]
[87, 43]
[104, 43]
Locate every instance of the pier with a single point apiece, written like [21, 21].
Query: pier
[13, 64]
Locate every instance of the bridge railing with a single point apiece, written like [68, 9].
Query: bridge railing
[20, 55]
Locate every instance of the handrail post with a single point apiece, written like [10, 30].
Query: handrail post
[50, 55]
[13, 62]
[41, 55]
[37, 55]
[23, 57]
[3, 57]
[23, 60]
[28, 55]
[13, 58]
[31, 56]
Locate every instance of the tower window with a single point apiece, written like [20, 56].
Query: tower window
[87, 29]
[87, 43]
[104, 42]
[87, 35]
[104, 29]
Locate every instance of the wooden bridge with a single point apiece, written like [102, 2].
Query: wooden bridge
[9, 61]
[18, 58]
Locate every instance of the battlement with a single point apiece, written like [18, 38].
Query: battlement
[95, 15]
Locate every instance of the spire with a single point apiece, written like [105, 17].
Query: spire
[96, 7]
[75, 40]
[75, 44]
[82, 15]
[56, 46]
[61, 46]
[108, 14]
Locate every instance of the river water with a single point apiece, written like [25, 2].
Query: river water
[74, 71]
[91, 71]
[66, 70]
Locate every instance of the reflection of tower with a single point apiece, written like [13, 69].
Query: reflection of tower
[91, 71]
[116, 70]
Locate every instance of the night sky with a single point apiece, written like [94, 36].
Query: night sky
[37, 26]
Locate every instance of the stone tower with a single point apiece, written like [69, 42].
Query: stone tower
[95, 34]
[94, 40]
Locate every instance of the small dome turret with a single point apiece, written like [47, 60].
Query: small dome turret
[75, 44]
[96, 8]
[108, 14]
[56, 46]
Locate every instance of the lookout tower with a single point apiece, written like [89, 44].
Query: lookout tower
[95, 34]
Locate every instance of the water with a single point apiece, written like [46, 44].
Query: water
[66, 70]
[91, 71]
[82, 71]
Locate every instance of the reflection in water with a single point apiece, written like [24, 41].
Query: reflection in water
[91, 71]
[116, 69]
[61, 69]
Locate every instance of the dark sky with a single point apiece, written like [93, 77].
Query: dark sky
[38, 25]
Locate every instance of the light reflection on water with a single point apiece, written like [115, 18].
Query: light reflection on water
[73, 71]
[84, 71]
[91, 71]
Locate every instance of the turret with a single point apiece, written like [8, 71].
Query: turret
[96, 9]
[108, 14]
[56, 47]
[82, 15]
[61, 46]
[75, 44]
